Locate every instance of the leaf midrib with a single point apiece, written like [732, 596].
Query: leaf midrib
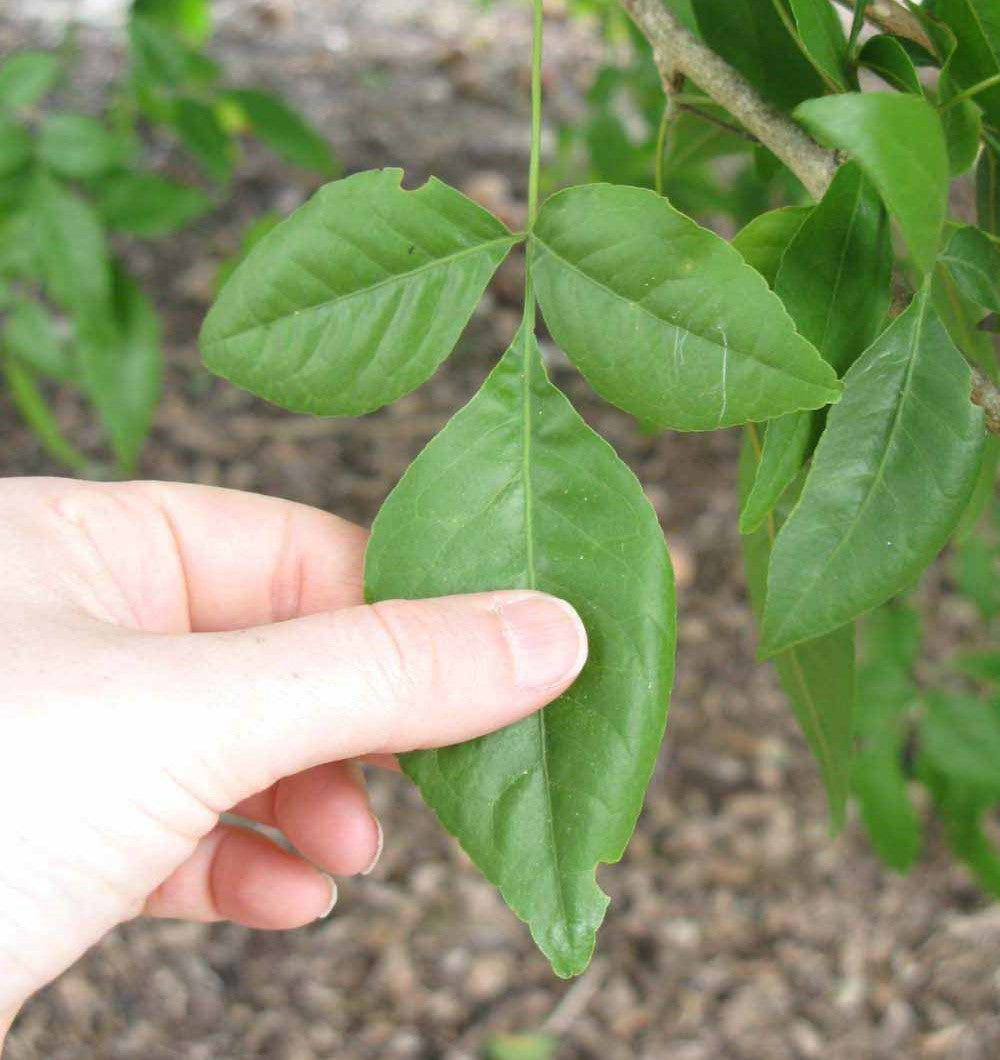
[778, 369]
[876, 479]
[532, 579]
[399, 277]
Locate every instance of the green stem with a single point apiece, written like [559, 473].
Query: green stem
[536, 114]
[669, 109]
[534, 167]
[989, 82]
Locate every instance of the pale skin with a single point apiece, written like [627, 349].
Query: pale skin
[172, 652]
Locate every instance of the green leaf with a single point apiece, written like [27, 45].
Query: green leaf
[72, 247]
[766, 237]
[962, 808]
[885, 692]
[886, 56]
[31, 334]
[788, 441]
[122, 366]
[973, 260]
[161, 60]
[889, 480]
[750, 35]
[975, 566]
[818, 676]
[76, 146]
[976, 26]
[988, 190]
[148, 205]
[963, 127]
[983, 491]
[960, 737]
[518, 492]
[34, 409]
[899, 142]
[521, 1047]
[982, 666]
[835, 282]
[357, 297]
[25, 77]
[283, 129]
[191, 18]
[199, 129]
[824, 42]
[15, 147]
[708, 345]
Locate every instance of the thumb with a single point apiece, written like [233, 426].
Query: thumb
[274, 700]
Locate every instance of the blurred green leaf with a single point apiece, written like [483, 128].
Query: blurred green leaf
[199, 129]
[31, 334]
[960, 737]
[973, 260]
[26, 76]
[72, 248]
[34, 409]
[982, 666]
[77, 146]
[283, 129]
[121, 367]
[890, 478]
[15, 147]
[191, 18]
[975, 566]
[148, 205]
[521, 1047]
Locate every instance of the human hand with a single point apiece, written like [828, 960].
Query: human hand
[171, 652]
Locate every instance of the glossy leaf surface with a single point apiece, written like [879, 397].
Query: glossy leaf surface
[886, 56]
[976, 25]
[974, 262]
[664, 318]
[750, 35]
[357, 297]
[818, 676]
[824, 41]
[517, 492]
[763, 241]
[834, 281]
[899, 142]
[889, 480]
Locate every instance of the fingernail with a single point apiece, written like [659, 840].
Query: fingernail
[378, 848]
[333, 896]
[546, 637]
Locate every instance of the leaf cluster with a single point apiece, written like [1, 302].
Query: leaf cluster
[70, 183]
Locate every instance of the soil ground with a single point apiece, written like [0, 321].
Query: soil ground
[738, 928]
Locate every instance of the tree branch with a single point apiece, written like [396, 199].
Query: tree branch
[678, 52]
[986, 395]
[896, 19]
